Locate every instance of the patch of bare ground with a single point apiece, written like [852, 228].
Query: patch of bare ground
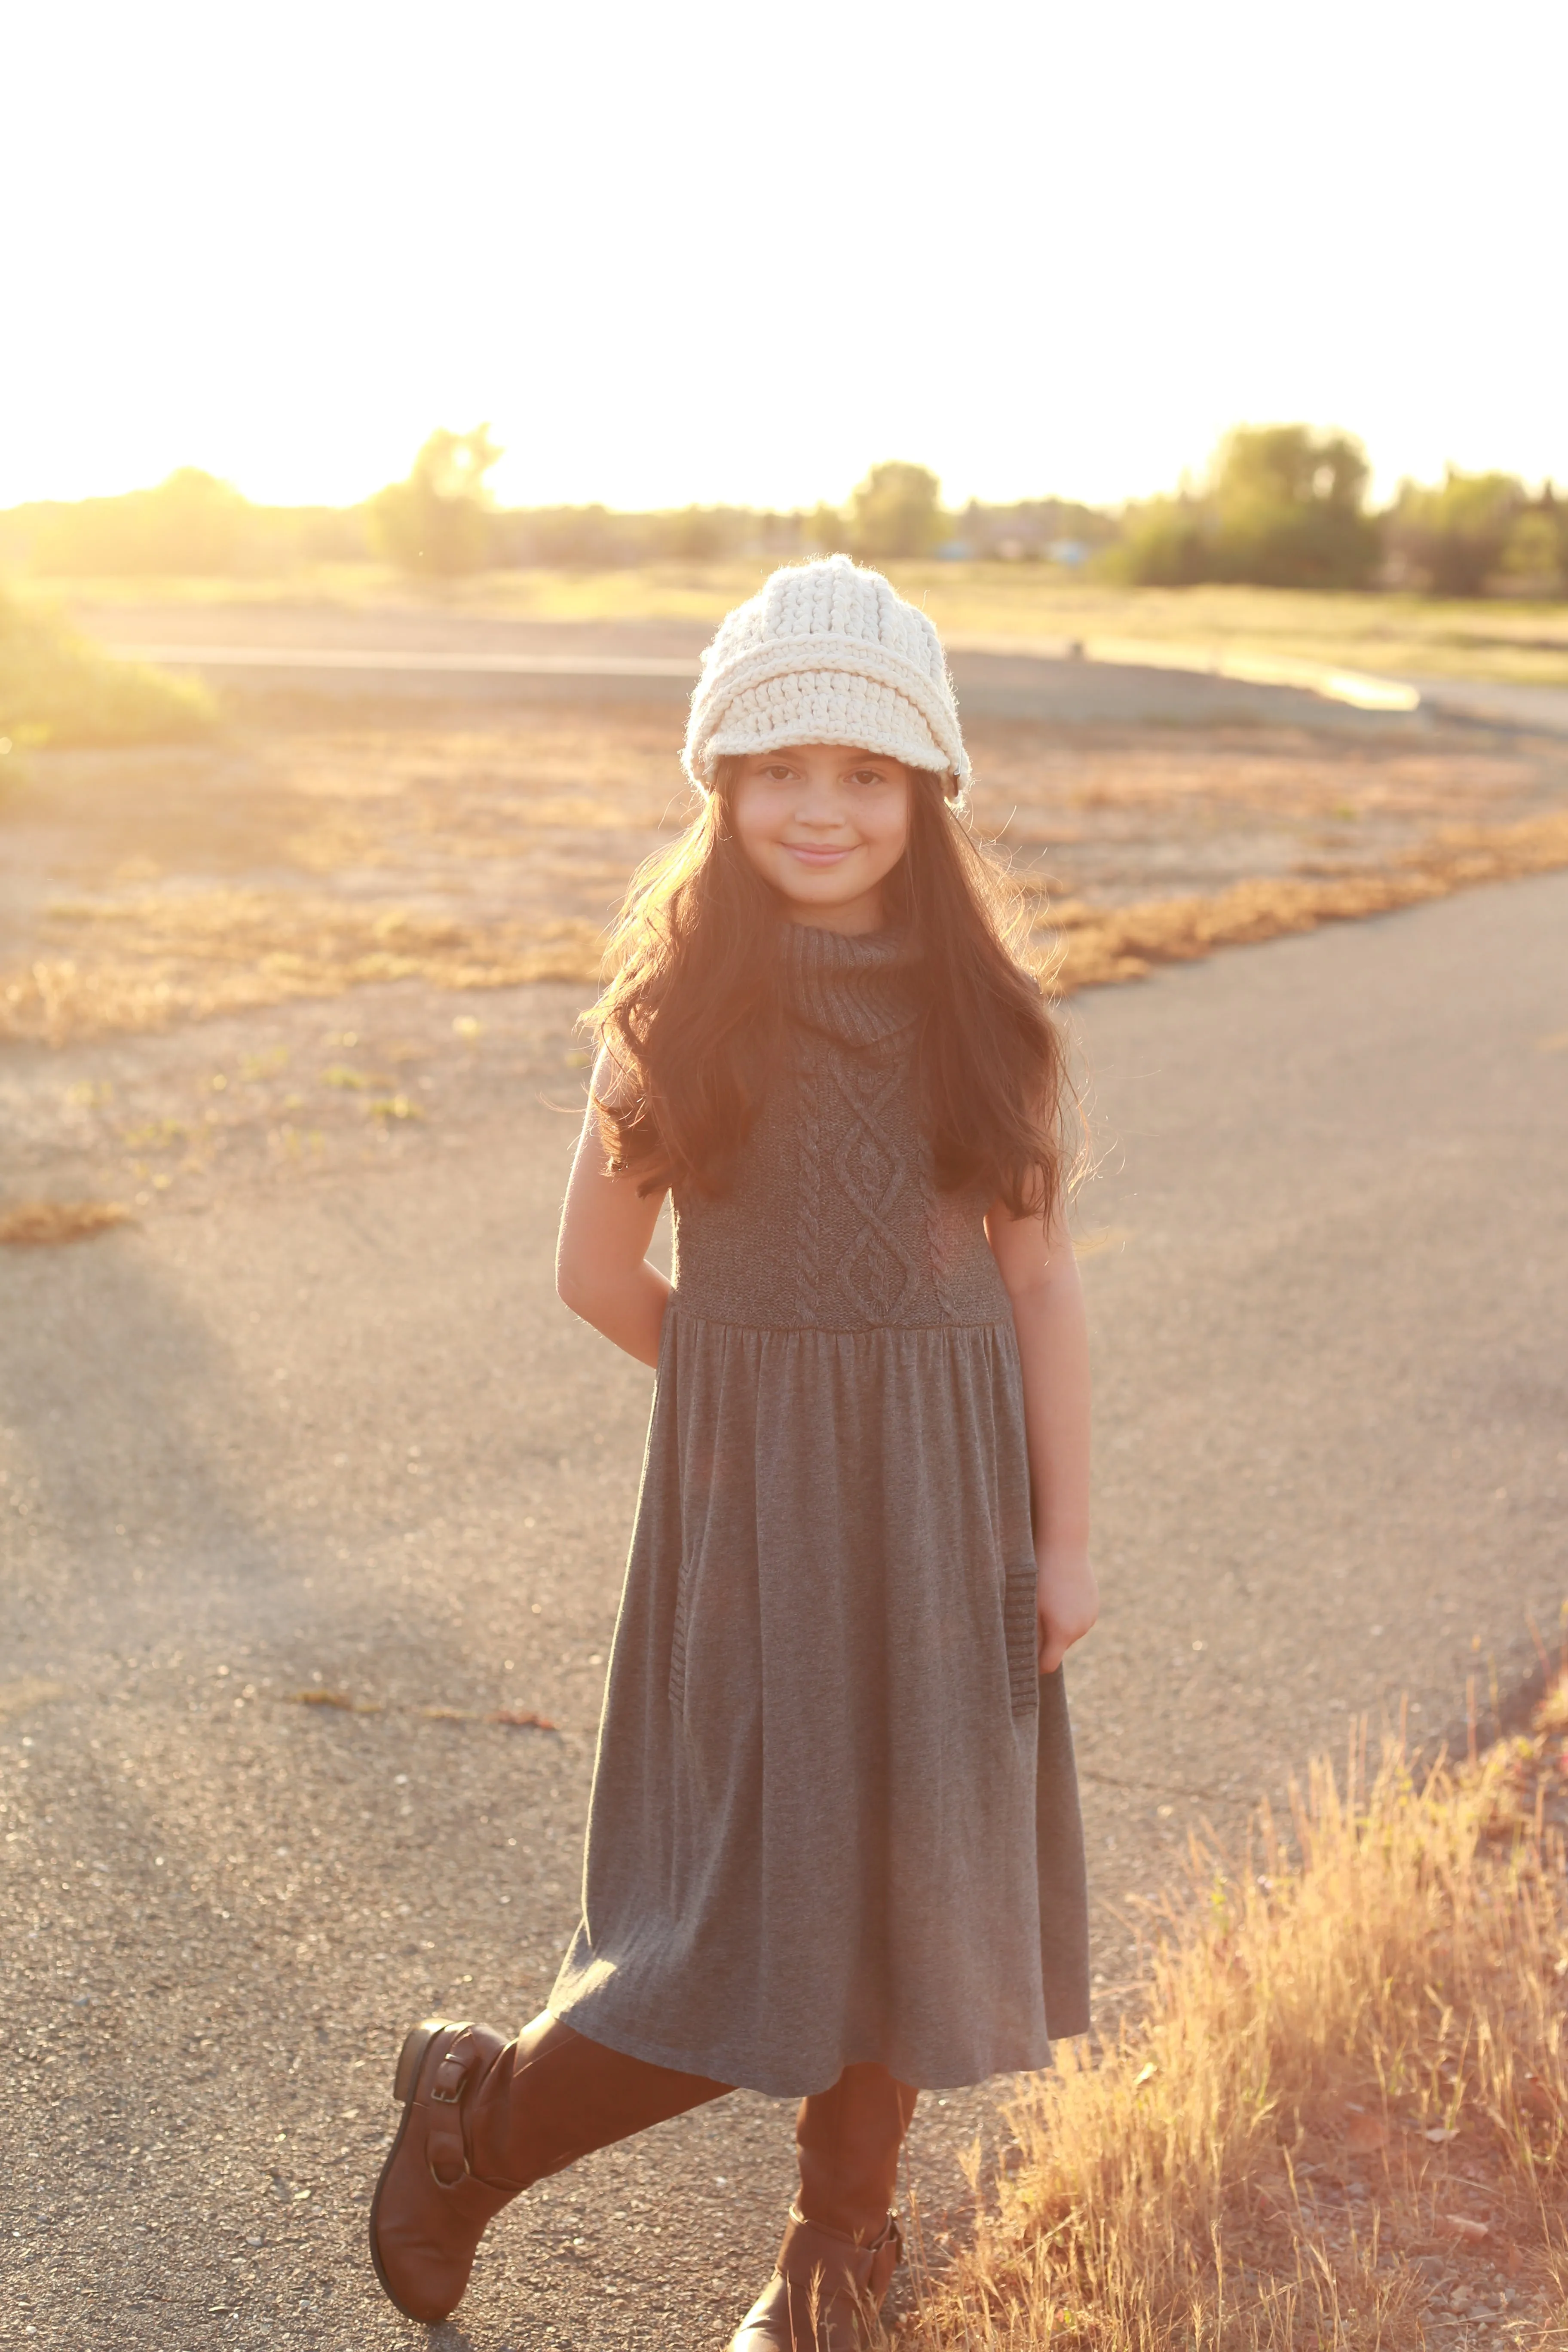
[1338, 2118]
[156, 885]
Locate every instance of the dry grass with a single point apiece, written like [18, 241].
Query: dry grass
[1344, 2098]
[303, 862]
[145, 962]
[1098, 946]
[39, 1224]
[1040, 784]
[510, 1718]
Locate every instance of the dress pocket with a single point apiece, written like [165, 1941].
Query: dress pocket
[1018, 1625]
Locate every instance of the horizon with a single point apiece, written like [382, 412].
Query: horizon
[708, 261]
[1377, 496]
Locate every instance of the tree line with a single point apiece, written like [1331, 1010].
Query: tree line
[1284, 506]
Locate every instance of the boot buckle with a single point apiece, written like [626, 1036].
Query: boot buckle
[448, 2082]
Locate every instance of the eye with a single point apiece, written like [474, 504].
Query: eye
[866, 776]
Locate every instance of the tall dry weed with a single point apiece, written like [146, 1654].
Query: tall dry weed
[1342, 2104]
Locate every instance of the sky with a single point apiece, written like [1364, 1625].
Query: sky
[714, 252]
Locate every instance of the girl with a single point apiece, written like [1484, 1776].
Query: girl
[834, 1844]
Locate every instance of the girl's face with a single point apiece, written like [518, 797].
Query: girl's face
[824, 825]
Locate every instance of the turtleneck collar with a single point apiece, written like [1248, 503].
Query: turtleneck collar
[852, 986]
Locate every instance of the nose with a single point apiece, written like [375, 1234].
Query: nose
[818, 810]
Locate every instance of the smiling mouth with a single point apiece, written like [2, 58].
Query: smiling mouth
[812, 852]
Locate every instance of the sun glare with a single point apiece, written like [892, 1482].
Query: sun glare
[679, 258]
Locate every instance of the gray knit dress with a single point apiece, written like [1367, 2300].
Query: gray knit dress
[835, 1815]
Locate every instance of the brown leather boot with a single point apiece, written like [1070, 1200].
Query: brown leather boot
[484, 2119]
[429, 2211]
[825, 2293]
[842, 2245]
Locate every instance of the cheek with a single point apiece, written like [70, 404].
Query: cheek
[892, 832]
[748, 818]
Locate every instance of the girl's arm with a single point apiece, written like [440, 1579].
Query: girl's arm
[602, 1271]
[1040, 1273]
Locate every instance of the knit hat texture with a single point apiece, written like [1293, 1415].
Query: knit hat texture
[826, 653]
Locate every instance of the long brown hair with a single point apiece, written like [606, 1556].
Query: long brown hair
[691, 1016]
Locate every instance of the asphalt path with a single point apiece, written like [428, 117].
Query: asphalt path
[336, 1437]
[1533, 709]
[339, 653]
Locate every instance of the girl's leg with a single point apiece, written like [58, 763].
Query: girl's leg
[553, 2095]
[484, 2119]
[848, 2140]
[842, 2244]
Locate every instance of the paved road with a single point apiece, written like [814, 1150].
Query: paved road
[1533, 709]
[339, 652]
[336, 1436]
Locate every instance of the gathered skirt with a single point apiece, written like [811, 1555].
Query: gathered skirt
[834, 1814]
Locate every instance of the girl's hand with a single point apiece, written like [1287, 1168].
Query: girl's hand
[1067, 1602]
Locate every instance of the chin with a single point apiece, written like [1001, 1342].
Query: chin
[824, 900]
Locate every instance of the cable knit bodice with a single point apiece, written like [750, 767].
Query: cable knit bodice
[833, 1220]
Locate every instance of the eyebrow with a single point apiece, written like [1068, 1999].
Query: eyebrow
[785, 752]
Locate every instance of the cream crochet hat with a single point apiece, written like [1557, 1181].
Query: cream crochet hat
[826, 653]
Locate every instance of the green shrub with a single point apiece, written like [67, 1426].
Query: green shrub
[56, 687]
[439, 520]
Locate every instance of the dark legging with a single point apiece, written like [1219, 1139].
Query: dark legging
[553, 2096]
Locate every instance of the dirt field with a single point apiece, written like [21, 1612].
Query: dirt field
[516, 826]
[314, 852]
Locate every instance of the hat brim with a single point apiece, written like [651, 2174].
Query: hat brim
[824, 706]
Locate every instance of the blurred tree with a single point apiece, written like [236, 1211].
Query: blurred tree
[1453, 534]
[698, 534]
[825, 530]
[1165, 543]
[1289, 507]
[569, 538]
[897, 511]
[438, 520]
[191, 522]
[1535, 554]
[1284, 508]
